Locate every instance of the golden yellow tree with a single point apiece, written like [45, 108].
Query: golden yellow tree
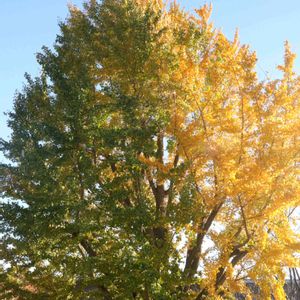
[151, 162]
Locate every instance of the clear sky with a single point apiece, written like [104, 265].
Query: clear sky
[26, 25]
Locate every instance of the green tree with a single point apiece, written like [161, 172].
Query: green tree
[148, 162]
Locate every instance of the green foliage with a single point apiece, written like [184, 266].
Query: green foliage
[79, 217]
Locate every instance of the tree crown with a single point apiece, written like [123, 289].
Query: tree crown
[149, 162]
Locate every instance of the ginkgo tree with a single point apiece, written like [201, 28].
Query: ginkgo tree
[148, 161]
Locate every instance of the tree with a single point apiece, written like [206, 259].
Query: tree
[149, 162]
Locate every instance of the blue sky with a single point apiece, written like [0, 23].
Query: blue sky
[26, 25]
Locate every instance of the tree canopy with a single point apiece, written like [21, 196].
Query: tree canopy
[148, 161]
